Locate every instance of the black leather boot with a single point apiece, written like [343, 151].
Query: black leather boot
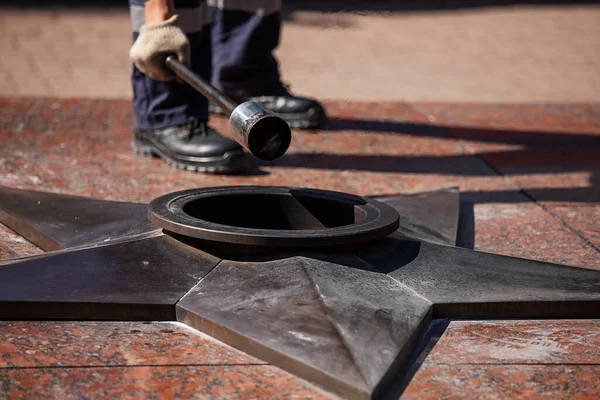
[193, 146]
[298, 112]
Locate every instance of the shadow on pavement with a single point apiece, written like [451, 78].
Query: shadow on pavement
[531, 153]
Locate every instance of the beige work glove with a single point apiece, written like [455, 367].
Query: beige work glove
[155, 43]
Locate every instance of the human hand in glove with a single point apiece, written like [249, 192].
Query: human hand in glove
[156, 41]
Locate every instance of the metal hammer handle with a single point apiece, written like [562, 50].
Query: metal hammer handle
[202, 86]
[256, 128]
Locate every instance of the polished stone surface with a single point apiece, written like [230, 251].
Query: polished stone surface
[367, 149]
[346, 319]
[573, 342]
[525, 198]
[188, 381]
[46, 344]
[505, 381]
[63, 359]
[13, 245]
[508, 359]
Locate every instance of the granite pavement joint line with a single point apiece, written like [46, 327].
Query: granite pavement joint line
[507, 363]
[543, 207]
[272, 311]
[568, 226]
[137, 366]
[406, 167]
[525, 193]
[277, 309]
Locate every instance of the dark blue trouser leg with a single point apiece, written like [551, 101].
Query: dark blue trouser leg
[160, 104]
[244, 35]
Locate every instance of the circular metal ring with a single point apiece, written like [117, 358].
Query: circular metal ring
[273, 216]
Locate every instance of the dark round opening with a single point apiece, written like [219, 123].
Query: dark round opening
[291, 211]
[272, 217]
[269, 138]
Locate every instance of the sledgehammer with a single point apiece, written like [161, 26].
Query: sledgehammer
[252, 125]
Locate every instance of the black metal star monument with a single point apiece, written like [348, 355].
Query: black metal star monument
[332, 287]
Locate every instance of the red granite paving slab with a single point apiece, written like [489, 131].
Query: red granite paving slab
[54, 344]
[512, 119]
[584, 219]
[539, 359]
[526, 230]
[552, 175]
[545, 160]
[564, 168]
[388, 116]
[83, 148]
[576, 188]
[13, 245]
[518, 342]
[566, 182]
[143, 382]
[553, 146]
[505, 382]
[551, 152]
[126, 177]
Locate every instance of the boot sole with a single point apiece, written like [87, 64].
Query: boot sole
[228, 163]
[298, 121]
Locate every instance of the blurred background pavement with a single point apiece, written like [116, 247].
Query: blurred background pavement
[447, 51]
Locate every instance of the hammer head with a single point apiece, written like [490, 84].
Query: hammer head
[260, 131]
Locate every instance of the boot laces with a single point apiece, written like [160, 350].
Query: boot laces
[192, 129]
